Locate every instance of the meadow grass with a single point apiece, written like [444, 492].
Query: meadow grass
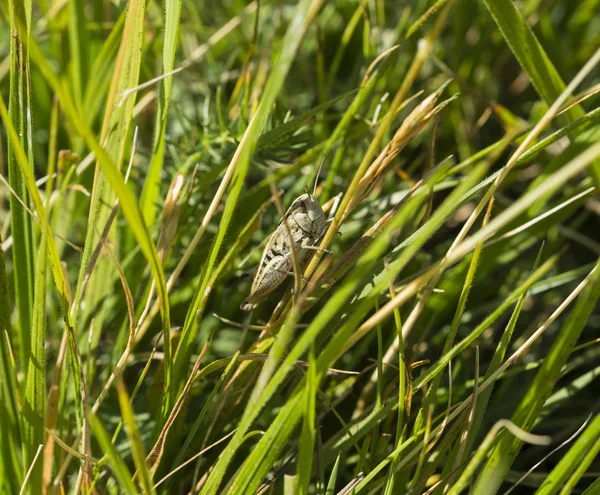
[445, 342]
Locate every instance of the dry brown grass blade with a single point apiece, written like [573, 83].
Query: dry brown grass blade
[170, 216]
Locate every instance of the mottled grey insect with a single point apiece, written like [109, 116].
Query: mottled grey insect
[307, 223]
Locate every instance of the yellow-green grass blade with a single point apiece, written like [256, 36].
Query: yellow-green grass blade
[35, 385]
[307, 437]
[79, 45]
[137, 448]
[507, 448]
[151, 188]
[114, 137]
[97, 87]
[578, 457]
[117, 464]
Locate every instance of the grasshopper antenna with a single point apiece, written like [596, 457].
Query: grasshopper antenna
[317, 176]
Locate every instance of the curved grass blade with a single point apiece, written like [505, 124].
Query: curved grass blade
[506, 447]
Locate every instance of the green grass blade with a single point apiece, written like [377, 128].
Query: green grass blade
[21, 223]
[117, 464]
[533, 59]
[97, 87]
[79, 45]
[151, 188]
[305, 11]
[137, 448]
[593, 489]
[529, 52]
[127, 201]
[35, 385]
[10, 468]
[307, 437]
[251, 475]
[330, 490]
[507, 447]
[274, 135]
[577, 457]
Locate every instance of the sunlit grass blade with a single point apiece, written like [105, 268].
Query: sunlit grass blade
[533, 59]
[307, 437]
[574, 463]
[506, 447]
[305, 11]
[117, 464]
[137, 448]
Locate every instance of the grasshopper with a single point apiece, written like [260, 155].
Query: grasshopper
[307, 224]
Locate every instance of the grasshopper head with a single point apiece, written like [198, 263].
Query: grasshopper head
[307, 213]
[306, 206]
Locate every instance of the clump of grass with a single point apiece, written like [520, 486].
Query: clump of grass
[445, 342]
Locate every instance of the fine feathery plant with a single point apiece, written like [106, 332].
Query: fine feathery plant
[443, 341]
